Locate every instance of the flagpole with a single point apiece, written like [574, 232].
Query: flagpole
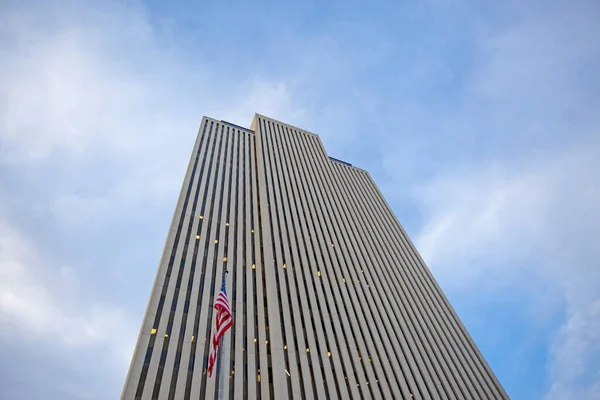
[220, 362]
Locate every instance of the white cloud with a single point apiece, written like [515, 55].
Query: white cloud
[76, 90]
[273, 99]
[524, 227]
[576, 353]
[30, 303]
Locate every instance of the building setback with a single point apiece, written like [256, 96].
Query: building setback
[329, 296]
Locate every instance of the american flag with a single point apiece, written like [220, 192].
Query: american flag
[223, 323]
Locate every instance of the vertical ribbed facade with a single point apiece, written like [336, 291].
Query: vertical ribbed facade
[329, 296]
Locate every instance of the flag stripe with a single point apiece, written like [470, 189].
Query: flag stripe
[223, 322]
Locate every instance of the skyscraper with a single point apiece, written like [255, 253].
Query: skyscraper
[330, 299]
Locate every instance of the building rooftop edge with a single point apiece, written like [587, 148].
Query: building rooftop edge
[237, 126]
[340, 161]
[282, 123]
[256, 115]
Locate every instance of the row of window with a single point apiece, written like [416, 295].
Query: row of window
[429, 353]
[150, 347]
[333, 245]
[215, 200]
[191, 364]
[281, 188]
[225, 154]
[269, 184]
[341, 259]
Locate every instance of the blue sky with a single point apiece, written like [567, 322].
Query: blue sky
[478, 121]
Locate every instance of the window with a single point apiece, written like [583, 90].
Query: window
[318, 273]
[216, 241]
[201, 217]
[224, 258]
[153, 331]
[197, 237]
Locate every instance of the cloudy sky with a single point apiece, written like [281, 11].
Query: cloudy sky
[478, 121]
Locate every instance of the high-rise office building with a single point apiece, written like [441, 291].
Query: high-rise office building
[330, 298]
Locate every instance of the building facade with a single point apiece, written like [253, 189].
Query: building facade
[329, 296]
